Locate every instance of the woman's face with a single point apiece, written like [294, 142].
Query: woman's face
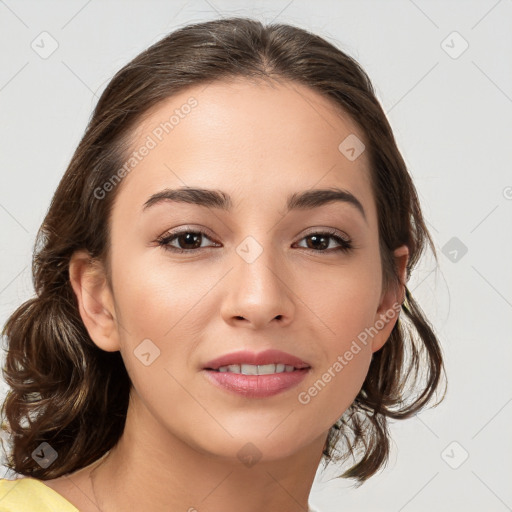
[260, 276]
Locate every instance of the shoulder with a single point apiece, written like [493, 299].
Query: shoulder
[28, 494]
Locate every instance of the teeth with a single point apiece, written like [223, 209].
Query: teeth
[261, 369]
[249, 369]
[264, 369]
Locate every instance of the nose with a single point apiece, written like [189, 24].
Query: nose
[258, 293]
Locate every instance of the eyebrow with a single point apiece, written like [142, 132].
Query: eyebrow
[210, 198]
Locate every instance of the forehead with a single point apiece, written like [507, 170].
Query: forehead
[253, 139]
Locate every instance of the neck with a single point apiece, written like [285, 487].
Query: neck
[158, 471]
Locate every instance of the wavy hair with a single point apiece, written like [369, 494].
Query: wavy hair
[67, 392]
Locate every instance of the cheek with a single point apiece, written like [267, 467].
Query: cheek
[154, 299]
[344, 311]
[162, 310]
[342, 303]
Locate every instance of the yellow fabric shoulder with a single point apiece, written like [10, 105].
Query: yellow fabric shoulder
[31, 495]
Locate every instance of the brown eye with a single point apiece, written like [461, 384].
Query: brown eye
[187, 241]
[320, 242]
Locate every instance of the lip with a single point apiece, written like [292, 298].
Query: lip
[256, 386]
[260, 358]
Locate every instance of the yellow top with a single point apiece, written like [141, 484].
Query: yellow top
[28, 494]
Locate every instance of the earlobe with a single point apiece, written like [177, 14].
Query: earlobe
[391, 301]
[88, 280]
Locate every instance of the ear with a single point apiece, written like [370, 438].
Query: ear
[391, 301]
[95, 300]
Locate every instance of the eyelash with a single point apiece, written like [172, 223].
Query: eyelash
[345, 246]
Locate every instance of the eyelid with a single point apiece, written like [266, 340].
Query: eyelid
[331, 231]
[186, 229]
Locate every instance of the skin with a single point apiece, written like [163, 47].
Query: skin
[257, 142]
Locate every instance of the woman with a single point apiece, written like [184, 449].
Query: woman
[219, 280]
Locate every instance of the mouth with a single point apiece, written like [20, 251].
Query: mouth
[256, 375]
[245, 362]
[251, 369]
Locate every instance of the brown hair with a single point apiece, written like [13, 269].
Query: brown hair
[69, 393]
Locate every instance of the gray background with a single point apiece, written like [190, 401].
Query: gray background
[451, 111]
